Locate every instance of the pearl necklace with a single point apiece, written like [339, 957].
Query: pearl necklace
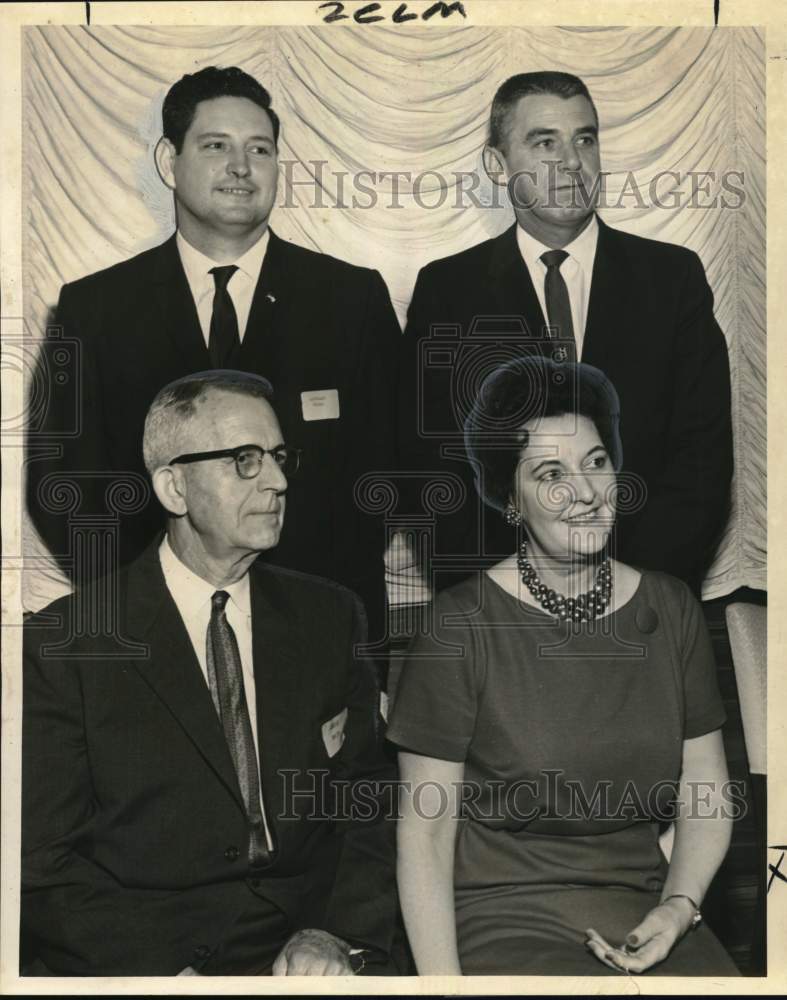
[583, 608]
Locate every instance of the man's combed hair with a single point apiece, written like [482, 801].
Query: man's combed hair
[178, 402]
[531, 388]
[509, 94]
[180, 104]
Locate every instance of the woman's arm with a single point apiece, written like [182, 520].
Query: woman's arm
[704, 824]
[702, 836]
[428, 802]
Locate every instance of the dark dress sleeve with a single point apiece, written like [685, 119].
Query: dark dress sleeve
[704, 710]
[434, 694]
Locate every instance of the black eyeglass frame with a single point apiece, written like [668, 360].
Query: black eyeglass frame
[233, 453]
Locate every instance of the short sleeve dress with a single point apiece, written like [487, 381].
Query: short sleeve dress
[571, 738]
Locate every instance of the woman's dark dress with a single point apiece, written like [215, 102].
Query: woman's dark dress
[571, 739]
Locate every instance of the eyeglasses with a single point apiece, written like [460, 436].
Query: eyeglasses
[249, 458]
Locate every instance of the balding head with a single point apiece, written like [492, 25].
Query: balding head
[168, 425]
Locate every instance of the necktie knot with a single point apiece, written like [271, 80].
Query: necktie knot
[219, 601]
[222, 275]
[554, 258]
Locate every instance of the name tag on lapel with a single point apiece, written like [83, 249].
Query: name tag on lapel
[333, 732]
[320, 404]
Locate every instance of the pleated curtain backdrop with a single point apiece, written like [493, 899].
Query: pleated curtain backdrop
[415, 100]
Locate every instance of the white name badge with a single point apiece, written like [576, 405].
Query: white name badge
[333, 732]
[320, 404]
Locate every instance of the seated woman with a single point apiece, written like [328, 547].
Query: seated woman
[555, 718]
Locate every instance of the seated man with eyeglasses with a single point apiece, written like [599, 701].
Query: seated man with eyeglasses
[203, 774]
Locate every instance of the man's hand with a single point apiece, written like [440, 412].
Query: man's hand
[313, 953]
[650, 942]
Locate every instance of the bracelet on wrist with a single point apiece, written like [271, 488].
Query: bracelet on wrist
[696, 918]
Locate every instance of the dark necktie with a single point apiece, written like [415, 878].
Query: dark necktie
[224, 337]
[558, 306]
[225, 679]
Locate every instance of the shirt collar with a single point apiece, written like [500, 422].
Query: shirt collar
[197, 265]
[191, 592]
[582, 249]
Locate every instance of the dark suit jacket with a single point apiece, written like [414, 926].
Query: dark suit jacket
[315, 323]
[134, 832]
[650, 328]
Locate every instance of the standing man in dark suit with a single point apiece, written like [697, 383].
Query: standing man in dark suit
[225, 291]
[205, 796]
[562, 283]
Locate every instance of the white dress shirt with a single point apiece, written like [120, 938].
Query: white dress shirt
[240, 287]
[576, 269]
[192, 596]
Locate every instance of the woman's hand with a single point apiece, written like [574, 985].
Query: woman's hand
[651, 940]
[701, 840]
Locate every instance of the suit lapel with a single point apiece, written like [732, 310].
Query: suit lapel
[175, 310]
[512, 285]
[269, 295]
[172, 669]
[607, 308]
[277, 679]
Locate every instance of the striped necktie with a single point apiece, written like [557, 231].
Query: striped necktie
[225, 678]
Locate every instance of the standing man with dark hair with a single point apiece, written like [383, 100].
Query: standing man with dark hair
[563, 283]
[224, 291]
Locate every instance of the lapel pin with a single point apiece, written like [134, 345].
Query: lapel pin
[270, 297]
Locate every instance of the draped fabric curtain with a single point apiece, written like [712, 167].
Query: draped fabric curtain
[381, 165]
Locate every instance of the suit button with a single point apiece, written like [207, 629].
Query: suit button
[201, 952]
[232, 854]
